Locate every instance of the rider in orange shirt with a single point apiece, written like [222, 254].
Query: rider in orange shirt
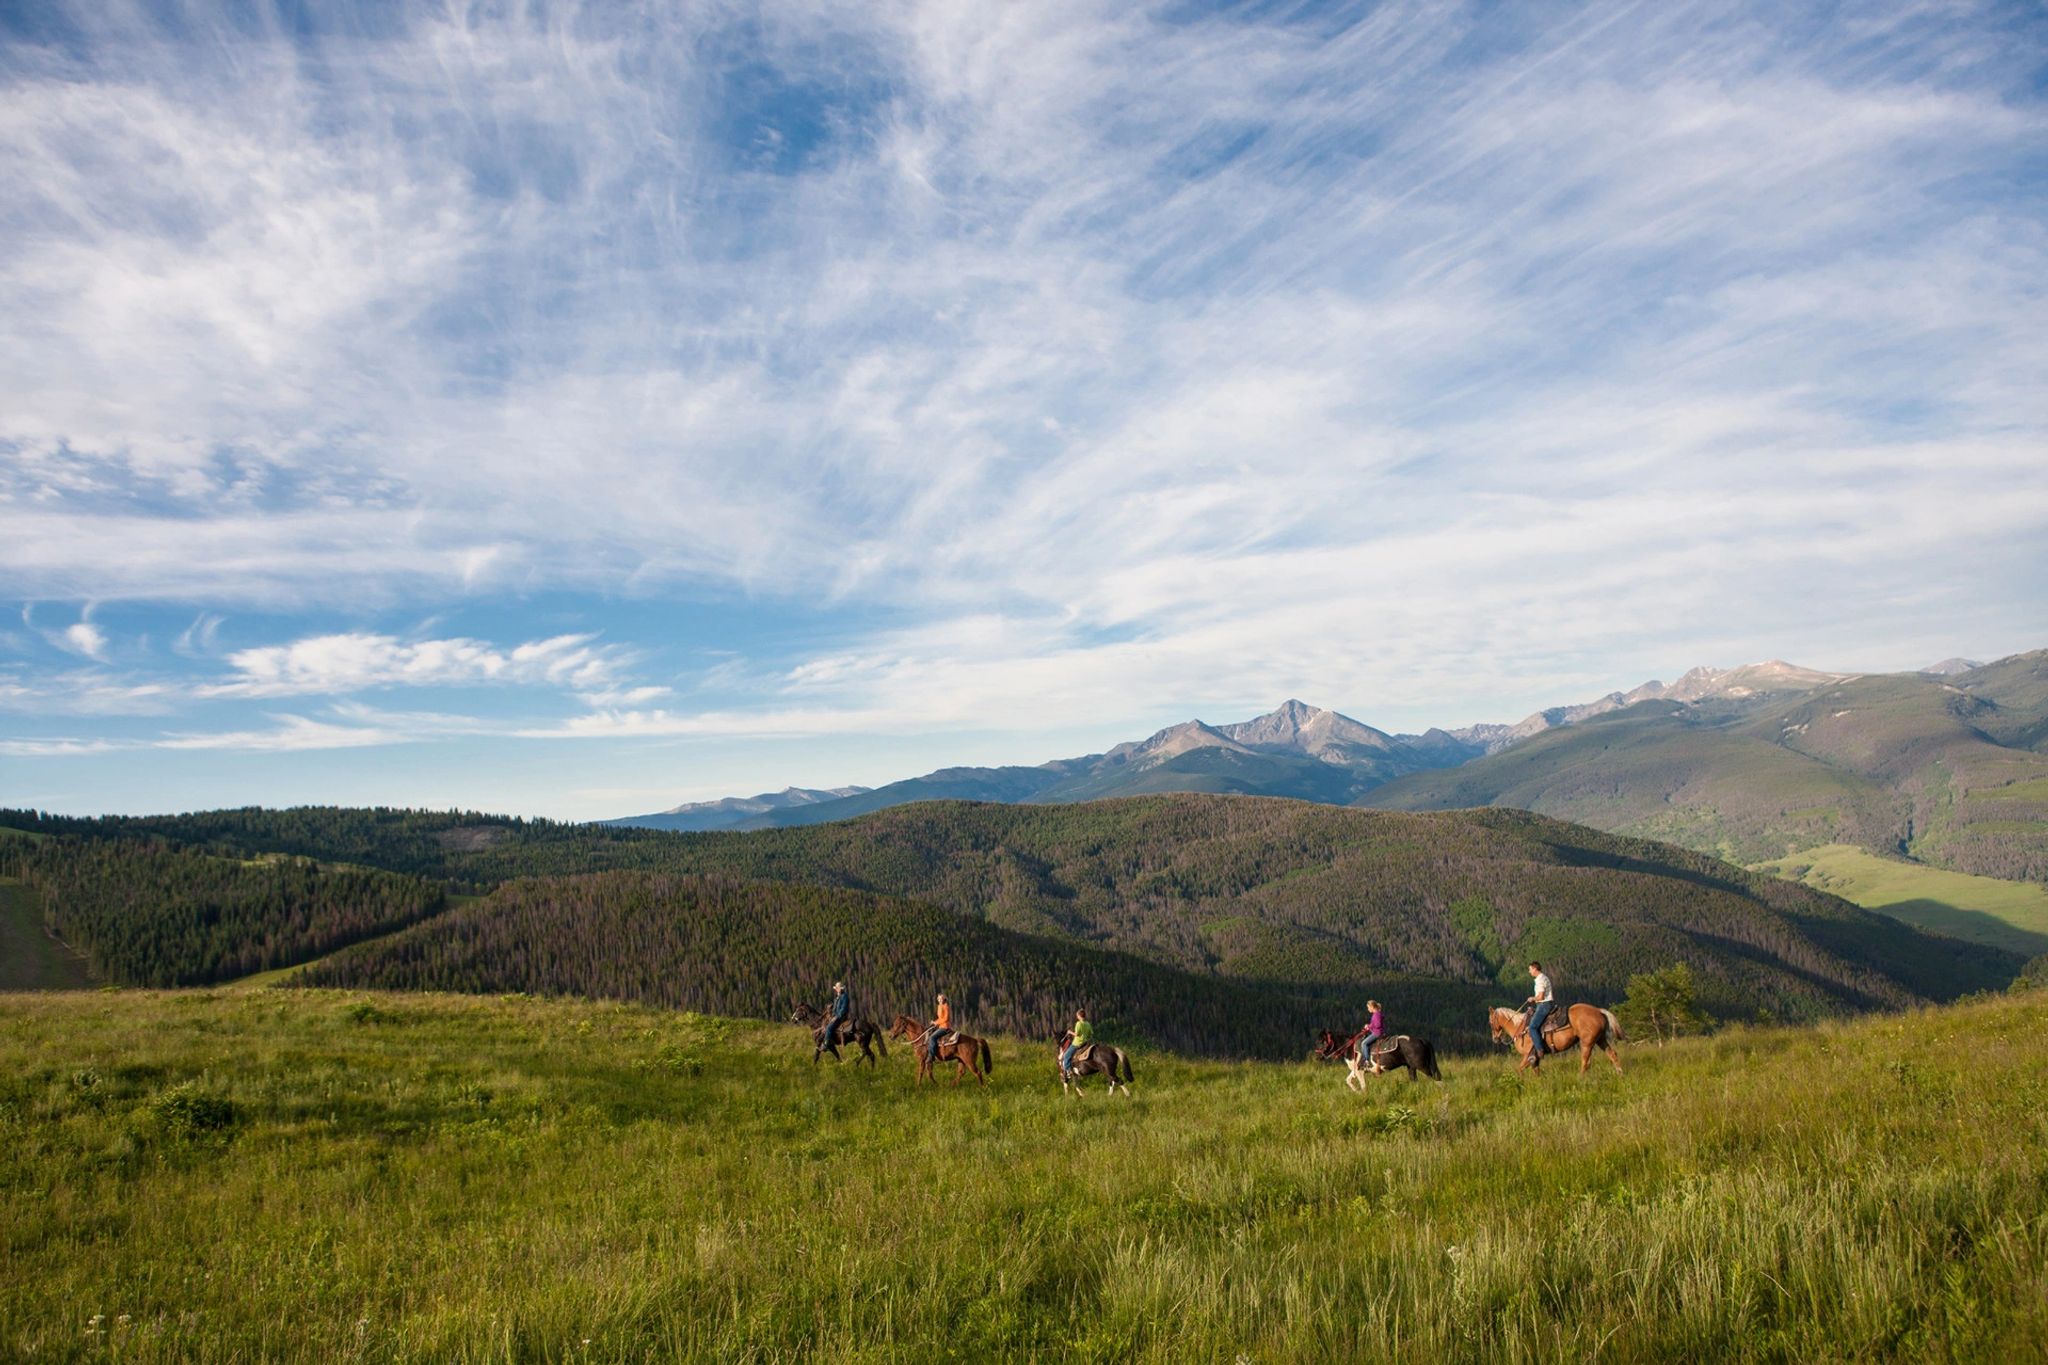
[942, 1024]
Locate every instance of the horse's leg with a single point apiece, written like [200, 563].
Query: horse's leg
[1585, 1054]
[1608, 1043]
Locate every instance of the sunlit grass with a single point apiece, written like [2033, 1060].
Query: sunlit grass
[319, 1176]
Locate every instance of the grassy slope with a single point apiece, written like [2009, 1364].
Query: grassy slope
[30, 960]
[431, 1177]
[2011, 915]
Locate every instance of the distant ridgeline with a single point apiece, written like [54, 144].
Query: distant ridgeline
[148, 913]
[1216, 924]
[1949, 770]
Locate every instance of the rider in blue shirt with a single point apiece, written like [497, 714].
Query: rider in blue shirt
[835, 1017]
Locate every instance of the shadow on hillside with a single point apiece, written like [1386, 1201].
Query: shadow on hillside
[1933, 965]
[1972, 926]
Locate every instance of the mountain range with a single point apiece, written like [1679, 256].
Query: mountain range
[1943, 765]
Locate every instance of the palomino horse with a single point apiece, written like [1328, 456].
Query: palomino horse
[1092, 1059]
[1587, 1025]
[862, 1031]
[965, 1053]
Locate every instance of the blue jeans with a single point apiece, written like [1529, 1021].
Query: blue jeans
[1067, 1057]
[931, 1045]
[1365, 1048]
[1536, 1018]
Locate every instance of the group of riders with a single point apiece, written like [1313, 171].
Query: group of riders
[939, 1032]
[1541, 1002]
[834, 1027]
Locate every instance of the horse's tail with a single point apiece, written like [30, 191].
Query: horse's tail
[1613, 1025]
[988, 1065]
[1125, 1058]
[881, 1040]
[1429, 1060]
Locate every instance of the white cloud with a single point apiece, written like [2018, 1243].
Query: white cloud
[84, 638]
[334, 664]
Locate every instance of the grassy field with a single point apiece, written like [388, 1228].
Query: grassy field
[302, 1175]
[2012, 915]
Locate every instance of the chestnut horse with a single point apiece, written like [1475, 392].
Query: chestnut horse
[965, 1053]
[1587, 1025]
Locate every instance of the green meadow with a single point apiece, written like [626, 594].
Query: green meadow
[295, 1175]
[2004, 914]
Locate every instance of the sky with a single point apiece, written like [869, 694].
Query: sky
[576, 410]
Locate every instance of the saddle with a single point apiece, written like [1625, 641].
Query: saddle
[1084, 1052]
[1386, 1049]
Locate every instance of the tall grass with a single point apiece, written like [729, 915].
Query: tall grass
[270, 1175]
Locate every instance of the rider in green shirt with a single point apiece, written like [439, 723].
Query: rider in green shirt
[1082, 1032]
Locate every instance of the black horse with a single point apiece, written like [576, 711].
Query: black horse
[1093, 1059]
[1390, 1054]
[862, 1031]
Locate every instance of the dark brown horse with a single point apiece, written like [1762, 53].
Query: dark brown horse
[965, 1053]
[1331, 1048]
[1588, 1026]
[862, 1031]
[1092, 1059]
[1388, 1054]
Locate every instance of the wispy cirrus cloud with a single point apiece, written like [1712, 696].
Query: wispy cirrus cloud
[335, 664]
[1087, 358]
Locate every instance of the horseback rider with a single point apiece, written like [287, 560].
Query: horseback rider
[1375, 1029]
[835, 1016]
[1541, 1001]
[941, 1029]
[1079, 1036]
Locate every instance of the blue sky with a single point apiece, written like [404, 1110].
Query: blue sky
[574, 411]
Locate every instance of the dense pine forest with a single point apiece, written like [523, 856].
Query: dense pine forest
[146, 913]
[719, 946]
[1270, 912]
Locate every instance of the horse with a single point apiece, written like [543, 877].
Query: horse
[862, 1031]
[1587, 1025]
[1329, 1047]
[965, 1053]
[1417, 1054]
[1092, 1059]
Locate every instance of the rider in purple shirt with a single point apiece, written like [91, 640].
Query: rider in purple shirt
[1375, 1029]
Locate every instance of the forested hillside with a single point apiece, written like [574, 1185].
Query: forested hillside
[1284, 896]
[145, 913]
[756, 949]
[1289, 892]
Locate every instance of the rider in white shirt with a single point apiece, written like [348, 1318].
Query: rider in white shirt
[1541, 1002]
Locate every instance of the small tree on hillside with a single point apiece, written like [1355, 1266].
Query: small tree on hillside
[1660, 1003]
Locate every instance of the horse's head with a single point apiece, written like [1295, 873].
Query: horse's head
[1066, 1036]
[1499, 1026]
